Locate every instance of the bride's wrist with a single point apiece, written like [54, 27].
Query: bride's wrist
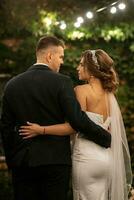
[42, 131]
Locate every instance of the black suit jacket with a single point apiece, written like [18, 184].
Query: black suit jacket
[42, 96]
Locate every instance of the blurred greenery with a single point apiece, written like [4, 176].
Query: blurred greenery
[23, 22]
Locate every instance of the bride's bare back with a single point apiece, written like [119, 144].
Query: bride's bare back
[92, 99]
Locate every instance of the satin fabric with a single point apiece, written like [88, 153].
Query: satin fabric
[91, 166]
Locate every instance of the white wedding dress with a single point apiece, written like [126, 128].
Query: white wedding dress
[91, 165]
[102, 173]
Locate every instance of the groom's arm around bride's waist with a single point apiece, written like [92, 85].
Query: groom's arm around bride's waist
[105, 144]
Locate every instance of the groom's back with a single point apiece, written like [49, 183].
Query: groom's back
[34, 96]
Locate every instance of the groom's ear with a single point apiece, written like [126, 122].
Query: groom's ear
[48, 57]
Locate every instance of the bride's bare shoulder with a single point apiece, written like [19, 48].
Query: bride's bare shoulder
[80, 87]
[83, 87]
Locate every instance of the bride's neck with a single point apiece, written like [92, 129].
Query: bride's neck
[96, 85]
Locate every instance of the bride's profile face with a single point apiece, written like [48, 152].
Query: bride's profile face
[83, 74]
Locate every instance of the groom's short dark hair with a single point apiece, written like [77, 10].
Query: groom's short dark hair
[46, 41]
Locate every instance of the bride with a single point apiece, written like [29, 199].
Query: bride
[98, 173]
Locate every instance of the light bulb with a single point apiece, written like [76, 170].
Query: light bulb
[77, 24]
[113, 10]
[89, 15]
[122, 6]
[80, 20]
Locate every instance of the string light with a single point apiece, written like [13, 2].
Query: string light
[112, 4]
[122, 6]
[63, 25]
[113, 9]
[101, 9]
[77, 24]
[89, 15]
[80, 20]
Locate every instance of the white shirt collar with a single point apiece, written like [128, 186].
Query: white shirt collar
[41, 64]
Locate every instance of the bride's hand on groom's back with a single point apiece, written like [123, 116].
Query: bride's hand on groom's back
[31, 130]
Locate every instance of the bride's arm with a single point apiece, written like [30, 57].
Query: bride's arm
[32, 130]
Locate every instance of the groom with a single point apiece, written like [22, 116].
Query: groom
[41, 165]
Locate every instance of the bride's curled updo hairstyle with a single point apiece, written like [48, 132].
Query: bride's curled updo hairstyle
[99, 64]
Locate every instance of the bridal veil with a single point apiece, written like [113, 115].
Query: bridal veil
[121, 174]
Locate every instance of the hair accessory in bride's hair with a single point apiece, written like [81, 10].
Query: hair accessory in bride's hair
[95, 58]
